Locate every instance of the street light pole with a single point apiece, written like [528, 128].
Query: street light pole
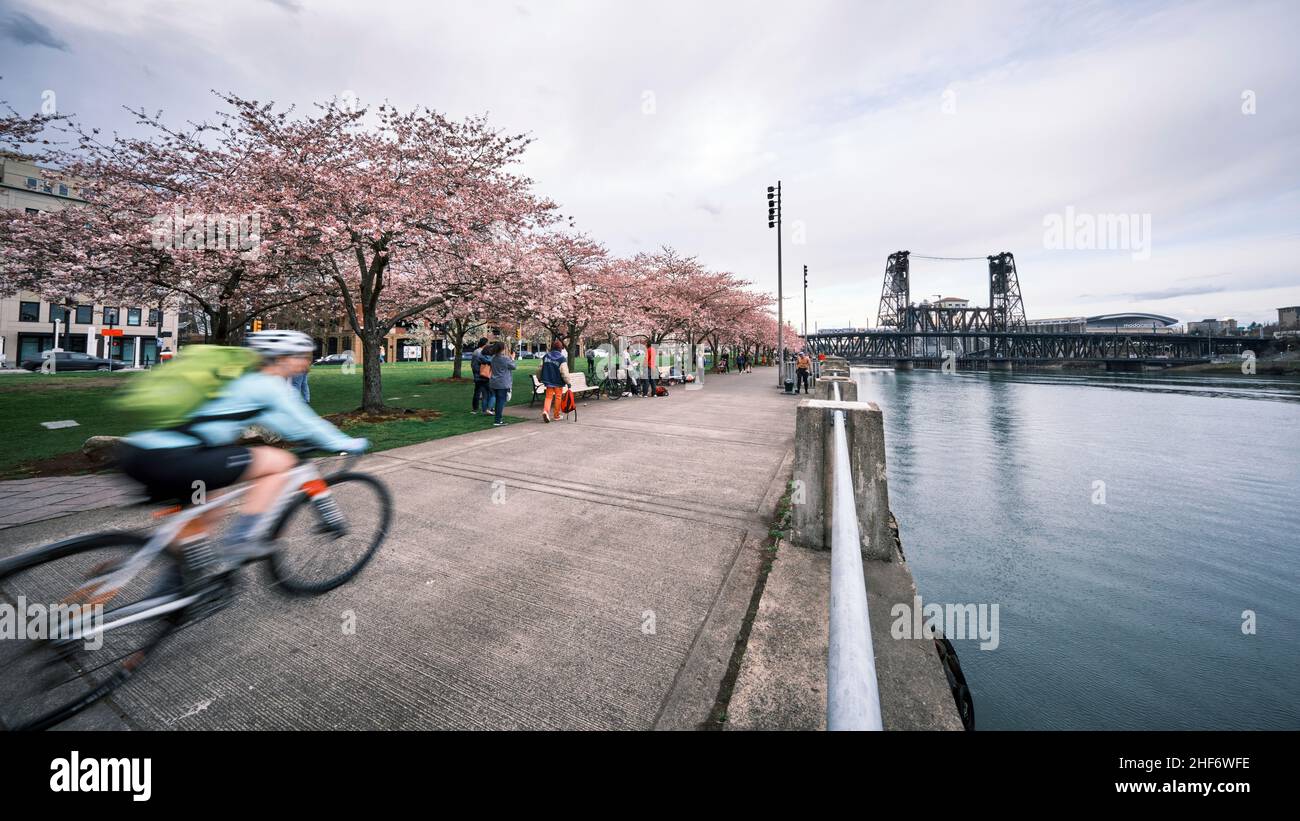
[774, 221]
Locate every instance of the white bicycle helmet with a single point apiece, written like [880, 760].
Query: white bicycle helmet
[271, 344]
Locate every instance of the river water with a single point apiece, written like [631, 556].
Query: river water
[1122, 524]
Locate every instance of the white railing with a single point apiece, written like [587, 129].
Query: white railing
[852, 693]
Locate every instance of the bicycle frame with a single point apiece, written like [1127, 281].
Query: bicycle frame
[296, 479]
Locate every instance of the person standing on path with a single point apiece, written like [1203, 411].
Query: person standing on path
[629, 373]
[300, 385]
[476, 362]
[555, 376]
[503, 376]
[802, 366]
[591, 362]
[651, 371]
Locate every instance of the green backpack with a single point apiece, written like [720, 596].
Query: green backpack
[167, 394]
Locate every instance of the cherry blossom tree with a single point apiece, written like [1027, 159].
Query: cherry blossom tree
[381, 205]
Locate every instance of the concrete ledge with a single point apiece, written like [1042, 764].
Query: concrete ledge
[812, 508]
[782, 679]
[824, 390]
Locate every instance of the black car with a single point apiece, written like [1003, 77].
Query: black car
[72, 361]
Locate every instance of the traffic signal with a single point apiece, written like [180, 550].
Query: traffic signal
[772, 204]
[257, 325]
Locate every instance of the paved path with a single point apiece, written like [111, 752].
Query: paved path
[605, 590]
[23, 501]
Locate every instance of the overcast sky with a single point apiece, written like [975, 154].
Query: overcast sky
[947, 129]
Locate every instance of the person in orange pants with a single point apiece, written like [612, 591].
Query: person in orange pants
[555, 376]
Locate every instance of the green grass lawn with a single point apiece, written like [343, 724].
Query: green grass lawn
[27, 400]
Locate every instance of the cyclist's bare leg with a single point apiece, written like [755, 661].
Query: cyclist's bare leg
[268, 473]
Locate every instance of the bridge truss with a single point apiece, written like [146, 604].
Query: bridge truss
[976, 347]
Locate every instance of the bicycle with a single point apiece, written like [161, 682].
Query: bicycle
[613, 388]
[91, 649]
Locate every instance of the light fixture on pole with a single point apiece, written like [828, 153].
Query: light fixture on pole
[774, 221]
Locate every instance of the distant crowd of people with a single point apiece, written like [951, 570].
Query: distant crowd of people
[492, 365]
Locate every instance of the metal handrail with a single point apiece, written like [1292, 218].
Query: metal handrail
[852, 692]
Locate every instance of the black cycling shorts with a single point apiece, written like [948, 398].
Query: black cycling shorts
[171, 473]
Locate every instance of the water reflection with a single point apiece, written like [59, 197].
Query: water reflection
[1124, 614]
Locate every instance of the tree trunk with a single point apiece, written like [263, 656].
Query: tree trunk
[221, 330]
[457, 346]
[372, 383]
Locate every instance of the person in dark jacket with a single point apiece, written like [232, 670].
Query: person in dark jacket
[476, 361]
[555, 376]
[503, 376]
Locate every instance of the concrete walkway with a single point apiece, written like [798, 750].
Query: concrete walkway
[33, 500]
[588, 575]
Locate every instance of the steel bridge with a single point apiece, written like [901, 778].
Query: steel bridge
[996, 336]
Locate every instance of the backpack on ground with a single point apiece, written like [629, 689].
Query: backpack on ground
[165, 396]
[660, 390]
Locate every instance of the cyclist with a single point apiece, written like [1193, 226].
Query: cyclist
[201, 455]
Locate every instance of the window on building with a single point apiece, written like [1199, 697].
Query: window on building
[32, 182]
[154, 317]
[60, 314]
[85, 314]
[29, 312]
[132, 316]
[32, 210]
[63, 190]
[110, 316]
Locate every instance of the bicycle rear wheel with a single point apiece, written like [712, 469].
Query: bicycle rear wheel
[76, 644]
[309, 560]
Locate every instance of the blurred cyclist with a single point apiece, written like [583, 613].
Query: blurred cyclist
[172, 463]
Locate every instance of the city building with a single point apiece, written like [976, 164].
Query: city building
[1105, 323]
[951, 302]
[30, 325]
[1288, 319]
[1213, 327]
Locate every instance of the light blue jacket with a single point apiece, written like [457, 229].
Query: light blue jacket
[252, 399]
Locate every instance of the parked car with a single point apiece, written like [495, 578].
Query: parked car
[467, 355]
[530, 355]
[335, 359]
[72, 361]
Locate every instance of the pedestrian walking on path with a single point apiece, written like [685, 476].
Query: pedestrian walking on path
[503, 367]
[555, 376]
[802, 366]
[591, 362]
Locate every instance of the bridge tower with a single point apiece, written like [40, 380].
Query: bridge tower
[1006, 308]
[895, 293]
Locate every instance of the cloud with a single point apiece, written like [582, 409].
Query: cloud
[1167, 293]
[293, 6]
[22, 28]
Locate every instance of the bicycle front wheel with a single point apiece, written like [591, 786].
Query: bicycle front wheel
[77, 641]
[309, 559]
